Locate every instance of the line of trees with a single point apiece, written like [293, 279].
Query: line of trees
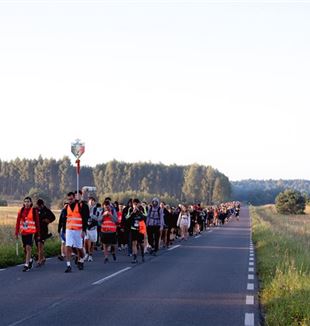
[56, 177]
[260, 192]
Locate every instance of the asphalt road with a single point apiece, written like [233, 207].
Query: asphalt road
[207, 280]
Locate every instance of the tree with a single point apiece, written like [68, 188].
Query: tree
[290, 202]
[35, 194]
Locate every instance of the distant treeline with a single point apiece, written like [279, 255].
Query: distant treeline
[259, 192]
[56, 177]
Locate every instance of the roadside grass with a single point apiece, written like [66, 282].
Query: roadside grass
[282, 244]
[8, 255]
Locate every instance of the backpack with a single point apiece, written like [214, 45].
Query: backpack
[158, 212]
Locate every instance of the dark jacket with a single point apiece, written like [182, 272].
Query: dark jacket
[45, 214]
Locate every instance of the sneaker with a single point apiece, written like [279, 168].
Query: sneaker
[80, 266]
[26, 269]
[90, 258]
[30, 264]
[114, 257]
[68, 270]
[86, 257]
[60, 257]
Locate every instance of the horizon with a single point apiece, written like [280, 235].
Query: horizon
[218, 83]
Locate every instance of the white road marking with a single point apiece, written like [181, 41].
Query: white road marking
[251, 258]
[249, 299]
[197, 236]
[250, 286]
[251, 263]
[251, 269]
[174, 247]
[110, 276]
[251, 254]
[1, 270]
[250, 277]
[249, 319]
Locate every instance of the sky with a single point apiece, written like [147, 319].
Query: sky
[220, 83]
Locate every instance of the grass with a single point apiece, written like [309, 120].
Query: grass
[282, 244]
[8, 255]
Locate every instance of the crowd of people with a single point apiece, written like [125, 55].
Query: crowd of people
[137, 228]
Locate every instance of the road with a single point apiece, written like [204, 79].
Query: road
[208, 280]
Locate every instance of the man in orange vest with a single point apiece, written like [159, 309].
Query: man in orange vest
[27, 224]
[76, 215]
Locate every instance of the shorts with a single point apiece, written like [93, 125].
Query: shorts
[137, 236]
[74, 239]
[108, 238]
[38, 241]
[91, 235]
[27, 240]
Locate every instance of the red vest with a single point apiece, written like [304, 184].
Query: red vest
[108, 225]
[27, 224]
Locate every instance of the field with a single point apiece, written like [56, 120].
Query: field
[8, 255]
[282, 244]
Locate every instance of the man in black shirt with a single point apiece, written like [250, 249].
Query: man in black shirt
[46, 216]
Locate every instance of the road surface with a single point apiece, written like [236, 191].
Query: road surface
[208, 280]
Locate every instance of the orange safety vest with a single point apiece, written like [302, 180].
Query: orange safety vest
[28, 225]
[74, 218]
[142, 227]
[108, 224]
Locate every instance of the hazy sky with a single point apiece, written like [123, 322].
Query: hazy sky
[221, 83]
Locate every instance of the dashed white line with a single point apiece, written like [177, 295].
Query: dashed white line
[250, 286]
[249, 319]
[251, 269]
[249, 299]
[174, 247]
[250, 277]
[251, 258]
[251, 263]
[251, 255]
[110, 276]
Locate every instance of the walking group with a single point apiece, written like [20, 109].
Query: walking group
[137, 228]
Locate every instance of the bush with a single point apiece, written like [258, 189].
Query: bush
[290, 202]
[3, 202]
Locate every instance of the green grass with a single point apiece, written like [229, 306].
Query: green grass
[283, 263]
[7, 239]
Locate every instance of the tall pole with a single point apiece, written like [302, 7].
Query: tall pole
[77, 179]
[77, 149]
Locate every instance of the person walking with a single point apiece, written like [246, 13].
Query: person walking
[46, 216]
[28, 226]
[76, 215]
[184, 222]
[136, 219]
[91, 232]
[154, 224]
[108, 230]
